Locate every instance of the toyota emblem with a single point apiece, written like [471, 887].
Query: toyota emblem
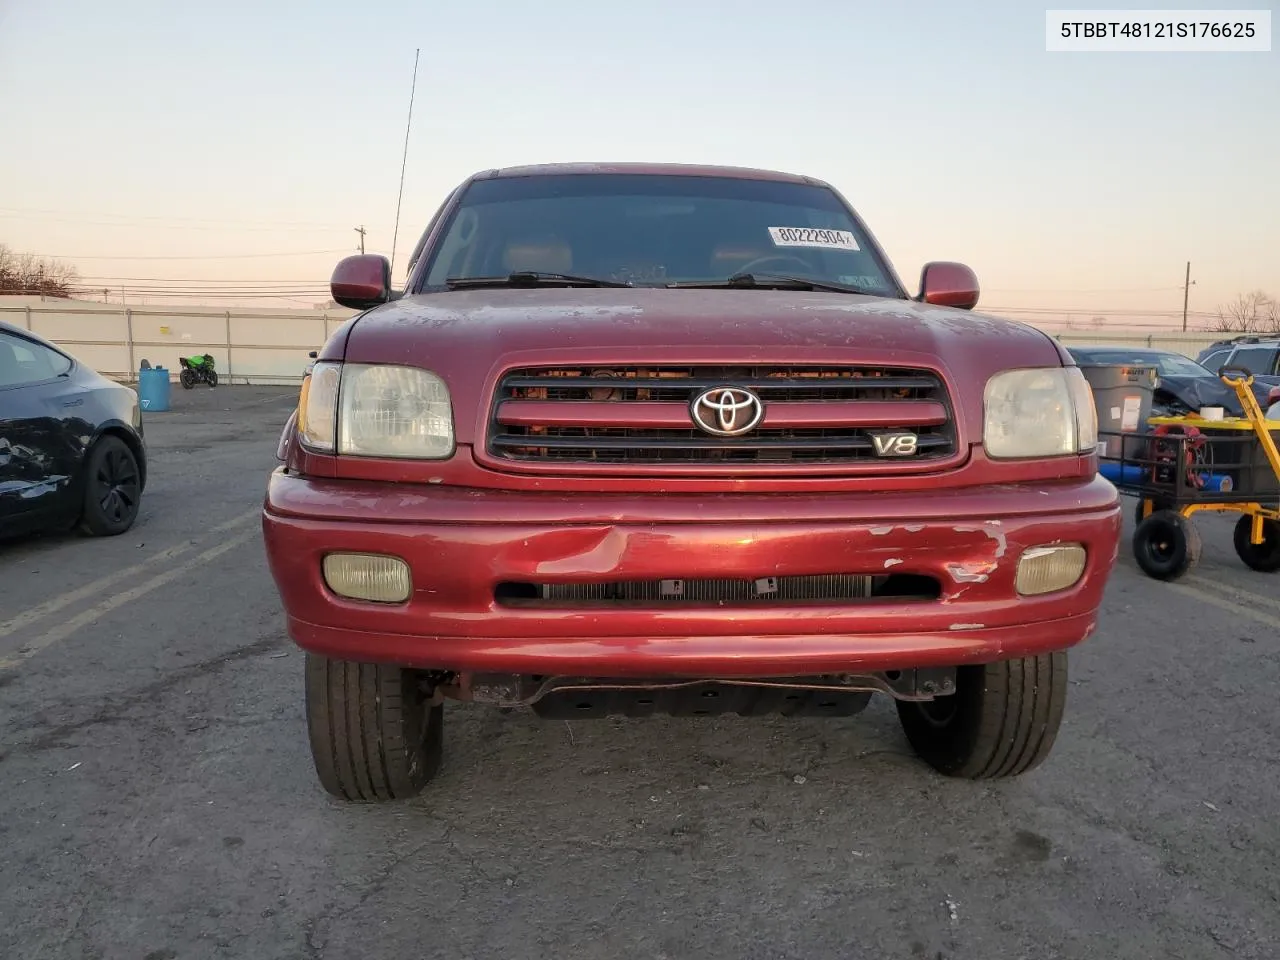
[727, 411]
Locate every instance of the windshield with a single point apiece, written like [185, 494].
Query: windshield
[1166, 364]
[655, 230]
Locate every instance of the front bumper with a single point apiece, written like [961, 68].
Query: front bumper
[461, 543]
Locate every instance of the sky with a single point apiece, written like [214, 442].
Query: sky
[234, 147]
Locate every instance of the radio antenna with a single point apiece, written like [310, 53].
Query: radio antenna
[404, 160]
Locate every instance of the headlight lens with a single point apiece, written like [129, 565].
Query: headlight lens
[1086, 409]
[1042, 412]
[318, 406]
[386, 411]
[373, 410]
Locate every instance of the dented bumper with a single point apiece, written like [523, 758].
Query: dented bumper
[462, 544]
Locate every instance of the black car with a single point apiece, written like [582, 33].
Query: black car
[1182, 385]
[71, 443]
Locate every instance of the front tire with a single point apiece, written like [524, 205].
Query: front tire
[213, 378]
[1002, 720]
[112, 488]
[187, 378]
[375, 736]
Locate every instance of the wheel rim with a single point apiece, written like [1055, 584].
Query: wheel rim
[116, 486]
[1161, 544]
[1161, 548]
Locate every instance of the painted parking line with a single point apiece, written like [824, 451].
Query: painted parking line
[87, 617]
[1229, 596]
[63, 600]
[1237, 593]
[1232, 600]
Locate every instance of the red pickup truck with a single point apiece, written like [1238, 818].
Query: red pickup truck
[675, 439]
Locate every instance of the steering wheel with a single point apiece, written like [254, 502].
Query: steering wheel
[774, 258]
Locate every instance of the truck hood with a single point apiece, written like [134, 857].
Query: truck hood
[470, 337]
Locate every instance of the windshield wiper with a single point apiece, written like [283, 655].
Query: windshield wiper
[531, 278]
[770, 281]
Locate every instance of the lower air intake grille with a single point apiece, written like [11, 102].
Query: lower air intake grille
[834, 588]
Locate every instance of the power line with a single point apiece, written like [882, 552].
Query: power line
[1105, 312]
[201, 290]
[185, 227]
[226, 256]
[202, 298]
[207, 280]
[404, 160]
[16, 211]
[211, 294]
[1077, 290]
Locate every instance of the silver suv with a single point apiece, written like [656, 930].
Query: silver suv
[1259, 355]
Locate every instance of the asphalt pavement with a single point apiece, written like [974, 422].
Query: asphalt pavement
[157, 799]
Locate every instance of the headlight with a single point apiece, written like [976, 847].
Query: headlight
[318, 406]
[374, 410]
[1043, 412]
[1086, 409]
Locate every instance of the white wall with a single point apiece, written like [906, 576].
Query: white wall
[271, 346]
[248, 346]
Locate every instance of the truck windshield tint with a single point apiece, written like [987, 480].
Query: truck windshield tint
[651, 230]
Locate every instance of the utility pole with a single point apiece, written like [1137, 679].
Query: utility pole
[1186, 295]
[361, 230]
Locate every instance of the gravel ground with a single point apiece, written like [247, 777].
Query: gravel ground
[157, 799]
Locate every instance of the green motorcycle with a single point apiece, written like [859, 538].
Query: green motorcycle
[197, 370]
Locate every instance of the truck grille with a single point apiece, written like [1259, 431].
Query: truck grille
[640, 416]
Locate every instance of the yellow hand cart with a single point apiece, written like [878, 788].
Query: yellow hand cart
[1188, 465]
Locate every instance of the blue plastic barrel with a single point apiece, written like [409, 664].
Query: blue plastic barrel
[1132, 473]
[1136, 473]
[1219, 483]
[153, 389]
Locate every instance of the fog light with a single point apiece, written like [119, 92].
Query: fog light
[1046, 569]
[368, 576]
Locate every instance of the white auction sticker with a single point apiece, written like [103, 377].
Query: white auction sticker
[813, 237]
[1132, 409]
[1158, 31]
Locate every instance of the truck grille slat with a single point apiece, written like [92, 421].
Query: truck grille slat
[778, 385]
[638, 416]
[594, 439]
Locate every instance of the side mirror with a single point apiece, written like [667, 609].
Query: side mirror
[1273, 396]
[361, 281]
[948, 285]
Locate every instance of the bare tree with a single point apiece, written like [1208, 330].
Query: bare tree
[1255, 312]
[1269, 321]
[1098, 323]
[22, 273]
